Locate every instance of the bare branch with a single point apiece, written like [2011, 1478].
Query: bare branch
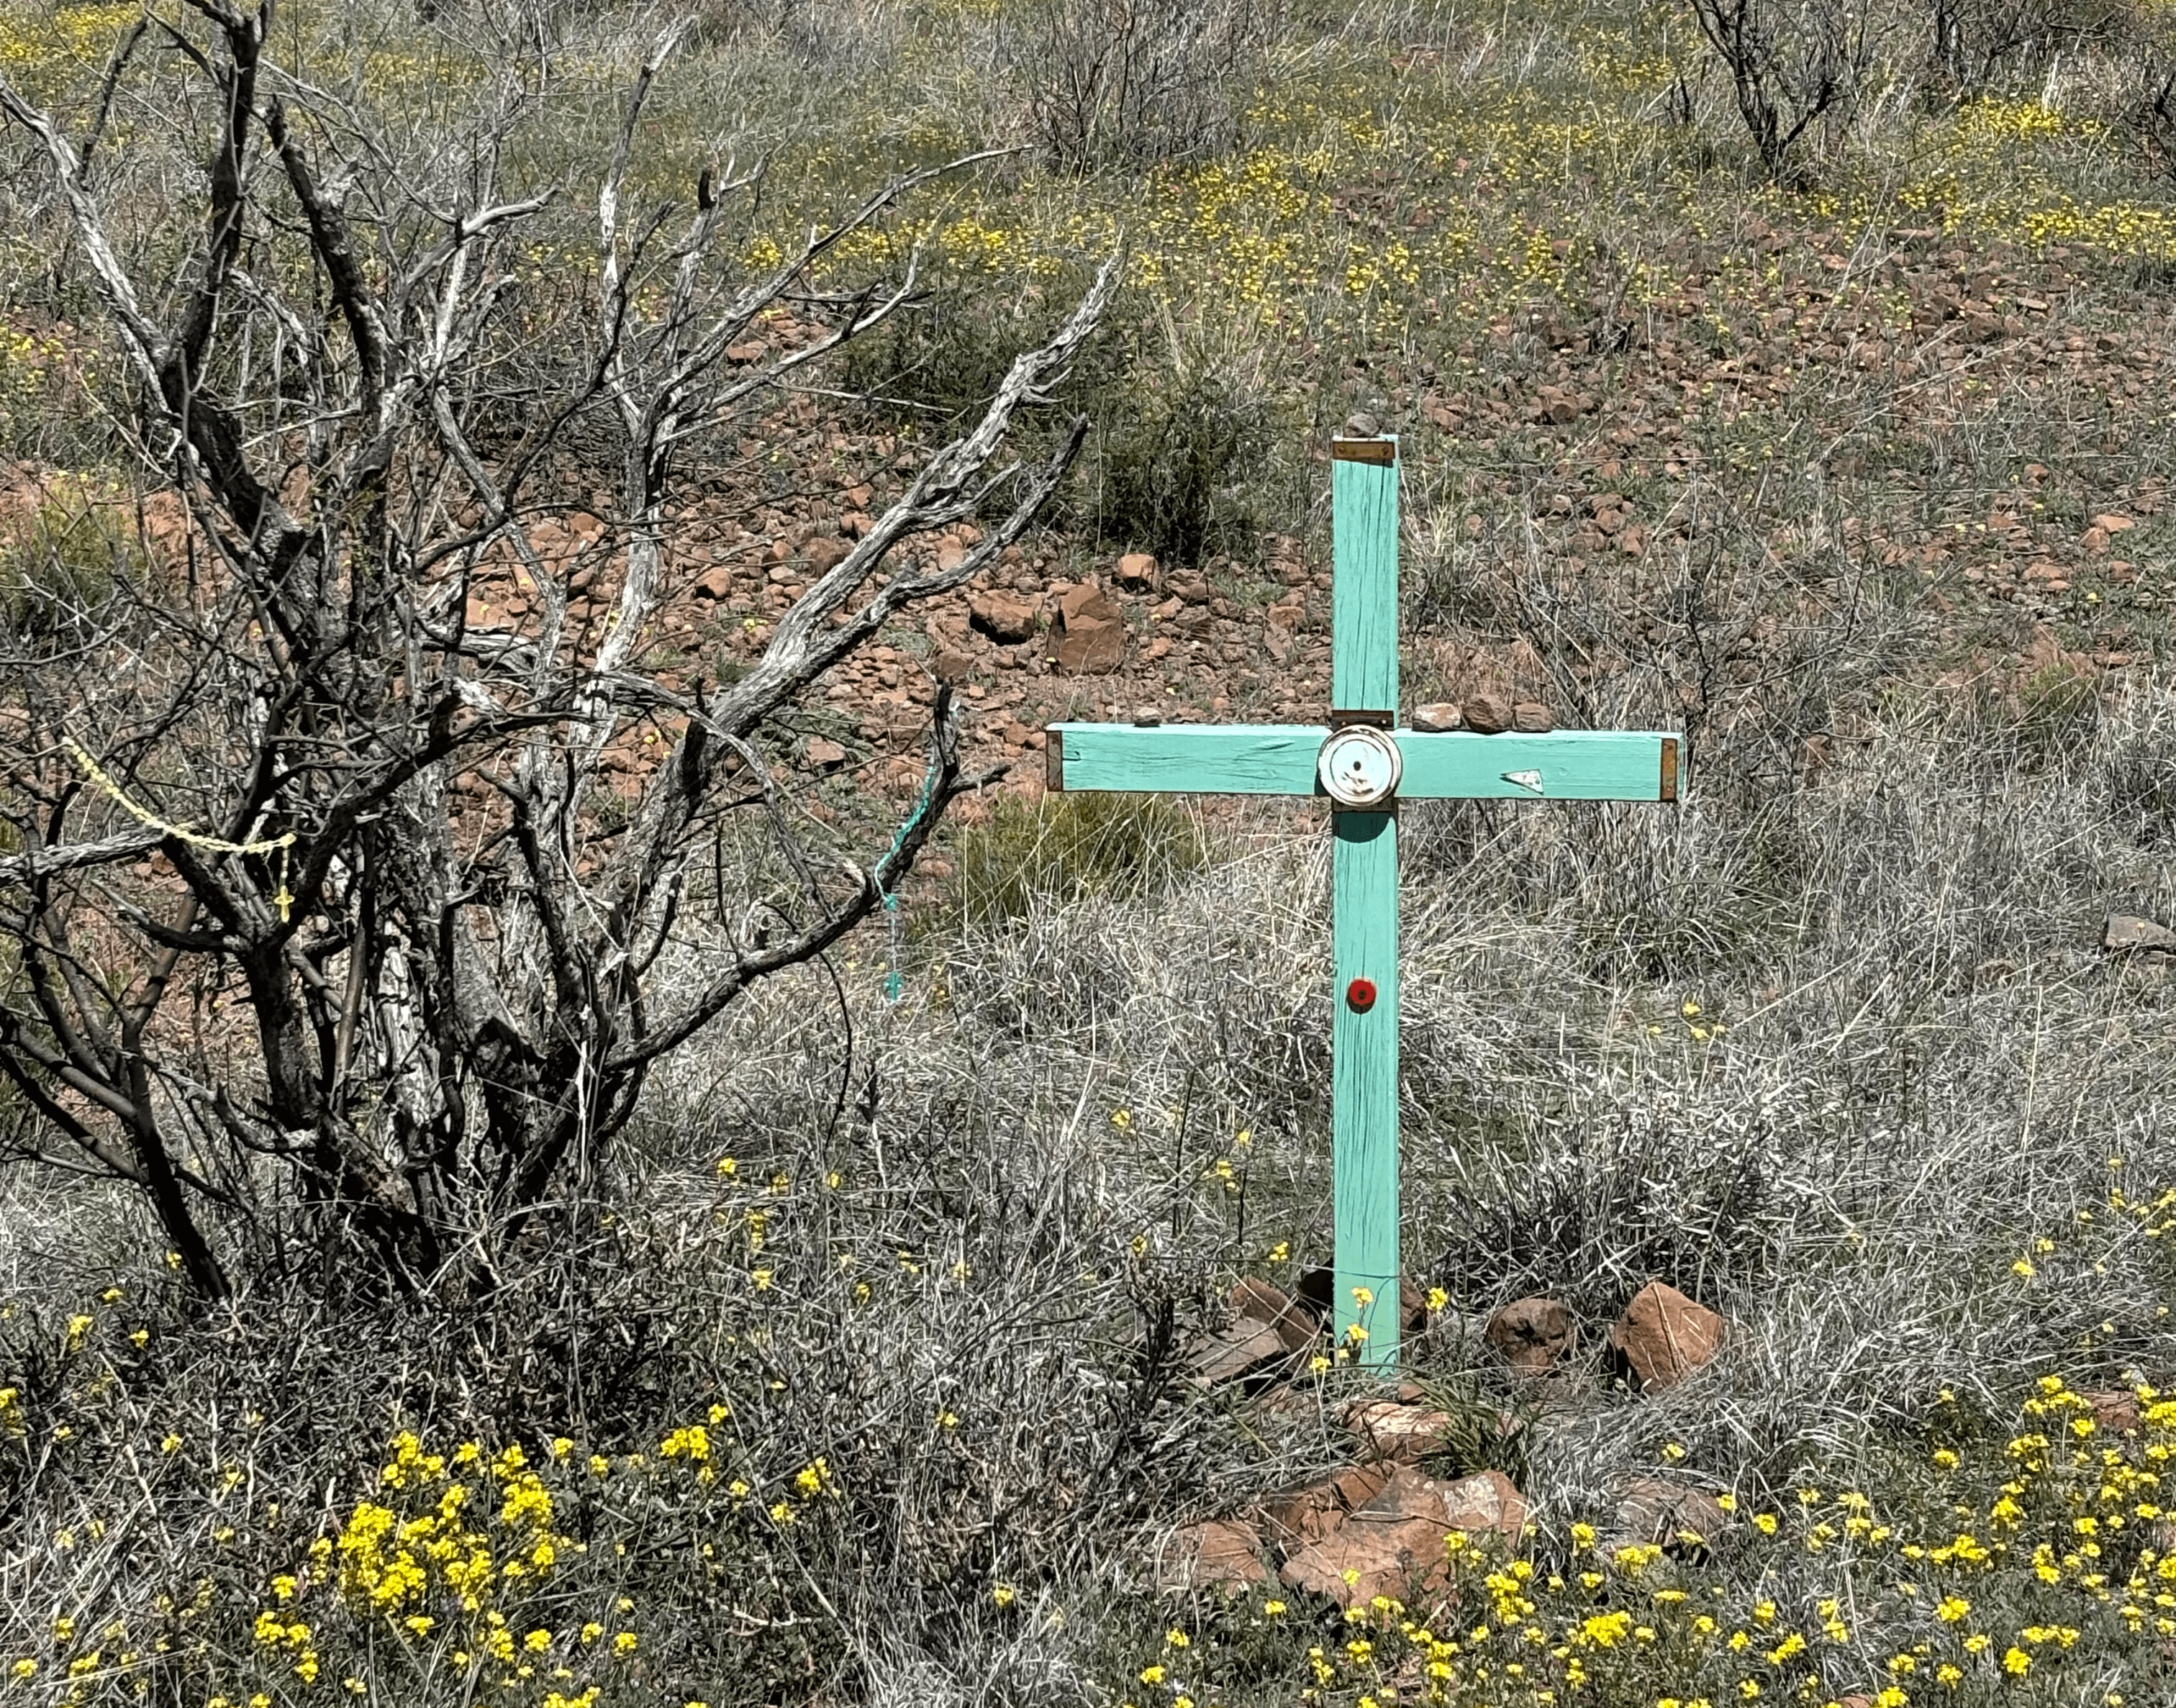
[145, 347]
[944, 785]
[108, 88]
[335, 248]
[54, 859]
[804, 645]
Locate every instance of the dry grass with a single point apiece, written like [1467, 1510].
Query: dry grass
[1832, 1046]
[959, 1291]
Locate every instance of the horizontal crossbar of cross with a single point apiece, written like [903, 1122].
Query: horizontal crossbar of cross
[1280, 759]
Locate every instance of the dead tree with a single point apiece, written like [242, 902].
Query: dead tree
[1975, 42]
[2153, 114]
[393, 976]
[1791, 64]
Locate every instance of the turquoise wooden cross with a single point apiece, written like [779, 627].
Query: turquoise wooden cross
[1364, 766]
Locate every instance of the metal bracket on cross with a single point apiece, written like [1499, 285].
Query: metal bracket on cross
[1363, 765]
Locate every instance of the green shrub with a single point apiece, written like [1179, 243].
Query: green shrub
[1135, 82]
[1181, 416]
[61, 564]
[943, 355]
[1176, 443]
[1478, 1434]
[1065, 846]
[2058, 708]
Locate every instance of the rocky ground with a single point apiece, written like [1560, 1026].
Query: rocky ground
[1377, 1527]
[1578, 456]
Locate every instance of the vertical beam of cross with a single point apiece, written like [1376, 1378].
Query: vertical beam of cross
[1364, 492]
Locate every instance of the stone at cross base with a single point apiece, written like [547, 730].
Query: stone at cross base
[1533, 1333]
[1665, 1336]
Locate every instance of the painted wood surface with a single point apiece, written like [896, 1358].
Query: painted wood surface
[1280, 760]
[1364, 1072]
[1364, 586]
[1201, 758]
[1563, 765]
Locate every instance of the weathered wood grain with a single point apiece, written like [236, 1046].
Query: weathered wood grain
[1363, 586]
[1571, 765]
[1363, 1077]
[1197, 759]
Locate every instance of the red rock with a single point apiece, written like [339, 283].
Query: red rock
[2131, 931]
[1356, 1562]
[1258, 1300]
[1401, 1432]
[1001, 616]
[1220, 1554]
[1554, 404]
[1665, 1336]
[1486, 714]
[715, 583]
[1437, 715]
[1244, 1349]
[1137, 572]
[1304, 1515]
[2114, 1410]
[1532, 1334]
[1530, 717]
[1394, 1545]
[824, 553]
[1358, 1484]
[1082, 600]
[1653, 1510]
[1091, 635]
[824, 755]
[1487, 1501]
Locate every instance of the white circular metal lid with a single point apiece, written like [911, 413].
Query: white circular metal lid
[1360, 766]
